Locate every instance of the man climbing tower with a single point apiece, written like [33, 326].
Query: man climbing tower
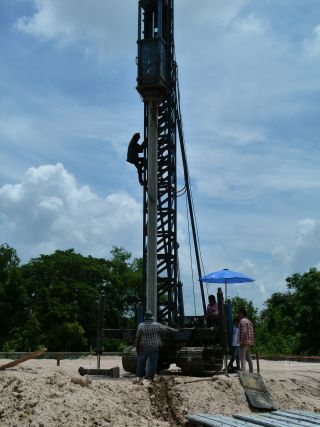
[133, 155]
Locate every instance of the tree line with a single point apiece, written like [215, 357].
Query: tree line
[52, 301]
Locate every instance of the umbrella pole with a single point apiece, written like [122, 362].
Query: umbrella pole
[225, 290]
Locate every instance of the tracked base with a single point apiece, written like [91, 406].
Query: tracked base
[197, 361]
[130, 361]
[200, 360]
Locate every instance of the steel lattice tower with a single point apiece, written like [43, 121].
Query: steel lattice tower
[169, 296]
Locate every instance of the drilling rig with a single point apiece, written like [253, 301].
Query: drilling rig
[196, 349]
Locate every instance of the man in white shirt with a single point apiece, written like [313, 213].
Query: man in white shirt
[235, 346]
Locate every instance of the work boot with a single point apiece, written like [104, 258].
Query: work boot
[137, 380]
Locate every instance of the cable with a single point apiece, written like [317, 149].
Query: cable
[191, 263]
[188, 183]
[197, 236]
[181, 192]
[196, 231]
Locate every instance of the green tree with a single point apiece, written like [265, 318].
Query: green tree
[276, 333]
[238, 303]
[69, 336]
[290, 322]
[26, 337]
[306, 319]
[124, 289]
[13, 297]
[63, 290]
[8, 260]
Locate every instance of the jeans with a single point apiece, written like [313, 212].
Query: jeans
[245, 356]
[235, 357]
[145, 354]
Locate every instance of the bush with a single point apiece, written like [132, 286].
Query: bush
[114, 344]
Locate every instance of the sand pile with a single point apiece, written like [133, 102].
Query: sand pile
[39, 393]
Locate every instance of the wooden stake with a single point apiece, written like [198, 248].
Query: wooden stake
[22, 359]
[258, 362]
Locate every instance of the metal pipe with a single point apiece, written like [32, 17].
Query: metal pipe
[139, 21]
[223, 328]
[151, 291]
[181, 305]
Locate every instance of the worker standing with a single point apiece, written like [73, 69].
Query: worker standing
[245, 339]
[235, 346]
[148, 342]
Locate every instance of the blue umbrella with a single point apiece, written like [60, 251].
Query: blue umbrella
[226, 276]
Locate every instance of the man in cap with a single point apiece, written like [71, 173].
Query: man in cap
[133, 155]
[245, 340]
[148, 342]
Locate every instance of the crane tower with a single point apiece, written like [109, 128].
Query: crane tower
[196, 348]
[157, 85]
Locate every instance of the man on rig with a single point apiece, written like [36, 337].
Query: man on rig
[133, 155]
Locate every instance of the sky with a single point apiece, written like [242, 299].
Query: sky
[249, 73]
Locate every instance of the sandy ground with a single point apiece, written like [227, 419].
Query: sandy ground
[39, 393]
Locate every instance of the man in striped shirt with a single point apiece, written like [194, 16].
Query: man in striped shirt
[245, 340]
[148, 342]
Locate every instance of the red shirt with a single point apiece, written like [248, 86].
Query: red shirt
[245, 335]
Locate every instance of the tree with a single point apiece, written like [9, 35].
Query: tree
[238, 303]
[306, 319]
[71, 334]
[290, 322]
[13, 298]
[124, 289]
[63, 290]
[8, 260]
[276, 333]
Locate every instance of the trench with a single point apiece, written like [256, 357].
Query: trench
[166, 402]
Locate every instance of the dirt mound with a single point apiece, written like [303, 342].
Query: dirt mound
[38, 393]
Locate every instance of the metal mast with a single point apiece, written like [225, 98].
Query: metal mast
[157, 85]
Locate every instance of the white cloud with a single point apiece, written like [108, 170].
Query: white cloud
[106, 27]
[306, 251]
[250, 105]
[280, 255]
[239, 134]
[88, 139]
[207, 12]
[252, 166]
[251, 25]
[302, 251]
[47, 210]
[313, 43]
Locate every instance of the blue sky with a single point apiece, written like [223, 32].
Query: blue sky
[250, 87]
